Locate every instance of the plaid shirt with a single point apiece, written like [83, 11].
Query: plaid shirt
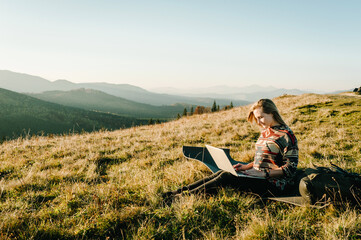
[277, 147]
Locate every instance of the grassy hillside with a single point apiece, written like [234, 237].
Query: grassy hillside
[96, 100]
[107, 185]
[22, 115]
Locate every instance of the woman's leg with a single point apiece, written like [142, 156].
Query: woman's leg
[197, 183]
[213, 183]
[258, 186]
[222, 178]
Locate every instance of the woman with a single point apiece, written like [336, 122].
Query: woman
[275, 160]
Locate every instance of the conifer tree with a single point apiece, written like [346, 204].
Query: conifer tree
[214, 107]
[192, 111]
[185, 112]
[231, 105]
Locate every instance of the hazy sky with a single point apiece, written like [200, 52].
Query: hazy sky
[292, 44]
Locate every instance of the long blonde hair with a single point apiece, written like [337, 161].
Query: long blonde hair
[267, 106]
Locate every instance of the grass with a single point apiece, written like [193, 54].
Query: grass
[108, 185]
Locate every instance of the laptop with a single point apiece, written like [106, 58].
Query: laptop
[222, 161]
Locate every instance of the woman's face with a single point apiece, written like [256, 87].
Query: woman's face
[264, 120]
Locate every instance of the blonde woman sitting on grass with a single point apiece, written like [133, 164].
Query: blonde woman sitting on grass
[275, 160]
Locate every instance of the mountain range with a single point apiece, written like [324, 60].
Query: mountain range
[24, 83]
[95, 100]
[32, 105]
[31, 102]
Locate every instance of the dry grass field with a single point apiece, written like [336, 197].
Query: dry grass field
[108, 185]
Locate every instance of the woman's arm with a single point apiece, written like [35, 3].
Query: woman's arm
[289, 167]
[242, 167]
[270, 173]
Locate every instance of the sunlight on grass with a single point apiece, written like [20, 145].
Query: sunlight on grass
[109, 184]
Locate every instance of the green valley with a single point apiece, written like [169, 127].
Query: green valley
[22, 115]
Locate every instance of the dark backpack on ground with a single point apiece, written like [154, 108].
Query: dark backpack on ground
[330, 184]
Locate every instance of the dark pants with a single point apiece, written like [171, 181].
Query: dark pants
[222, 178]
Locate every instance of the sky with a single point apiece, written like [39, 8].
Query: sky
[185, 43]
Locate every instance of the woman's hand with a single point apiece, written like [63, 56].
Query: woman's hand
[242, 167]
[238, 167]
[255, 172]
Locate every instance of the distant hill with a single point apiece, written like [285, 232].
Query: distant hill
[21, 114]
[249, 93]
[96, 100]
[269, 94]
[24, 83]
[218, 90]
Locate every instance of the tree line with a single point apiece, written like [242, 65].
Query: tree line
[203, 109]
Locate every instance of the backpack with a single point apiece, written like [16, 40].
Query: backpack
[330, 184]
